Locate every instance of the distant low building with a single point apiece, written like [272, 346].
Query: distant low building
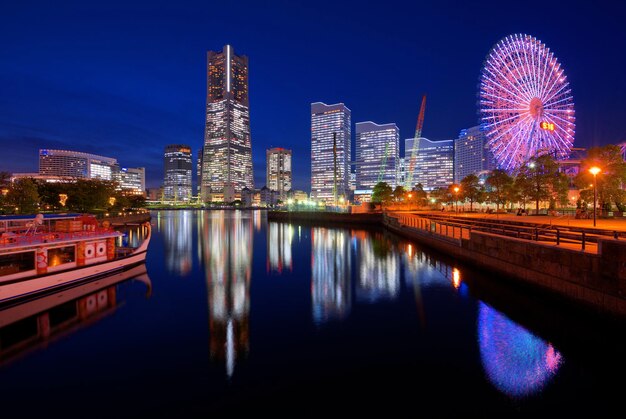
[298, 196]
[250, 197]
[37, 176]
[278, 170]
[155, 194]
[269, 198]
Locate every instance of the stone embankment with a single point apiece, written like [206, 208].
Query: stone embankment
[595, 276]
[128, 218]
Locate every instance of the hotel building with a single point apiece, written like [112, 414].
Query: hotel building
[75, 164]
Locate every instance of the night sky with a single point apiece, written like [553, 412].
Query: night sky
[123, 79]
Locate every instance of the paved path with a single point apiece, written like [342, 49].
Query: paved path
[613, 224]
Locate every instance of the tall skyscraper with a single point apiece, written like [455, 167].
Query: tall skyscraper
[377, 155]
[227, 155]
[279, 170]
[75, 164]
[330, 151]
[471, 154]
[434, 162]
[178, 168]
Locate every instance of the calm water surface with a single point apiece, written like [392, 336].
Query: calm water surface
[234, 314]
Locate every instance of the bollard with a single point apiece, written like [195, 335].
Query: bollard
[615, 235]
[536, 234]
[558, 237]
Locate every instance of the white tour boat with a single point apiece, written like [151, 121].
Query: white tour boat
[44, 253]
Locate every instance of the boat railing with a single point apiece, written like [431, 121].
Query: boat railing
[46, 236]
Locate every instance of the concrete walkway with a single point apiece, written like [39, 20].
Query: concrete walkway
[612, 224]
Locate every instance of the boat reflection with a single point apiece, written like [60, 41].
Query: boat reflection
[331, 264]
[279, 238]
[518, 363]
[34, 324]
[226, 246]
[176, 227]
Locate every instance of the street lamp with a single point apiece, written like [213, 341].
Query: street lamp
[456, 198]
[594, 171]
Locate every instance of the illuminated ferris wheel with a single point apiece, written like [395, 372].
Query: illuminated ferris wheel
[526, 105]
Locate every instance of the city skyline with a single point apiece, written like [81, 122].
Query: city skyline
[138, 80]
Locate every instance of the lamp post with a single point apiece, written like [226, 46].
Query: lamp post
[456, 198]
[594, 171]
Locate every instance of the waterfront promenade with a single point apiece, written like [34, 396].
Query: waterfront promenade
[613, 224]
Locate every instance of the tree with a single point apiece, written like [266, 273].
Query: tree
[398, 193]
[87, 195]
[544, 181]
[521, 191]
[471, 190]
[24, 196]
[611, 179]
[5, 185]
[139, 201]
[382, 193]
[499, 183]
[5, 179]
[49, 193]
[418, 197]
[441, 194]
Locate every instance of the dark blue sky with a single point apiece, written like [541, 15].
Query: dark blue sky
[123, 79]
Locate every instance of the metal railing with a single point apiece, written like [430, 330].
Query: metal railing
[457, 229]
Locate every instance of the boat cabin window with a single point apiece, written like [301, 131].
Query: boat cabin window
[60, 255]
[17, 262]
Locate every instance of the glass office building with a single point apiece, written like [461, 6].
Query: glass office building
[330, 151]
[178, 167]
[434, 162]
[377, 155]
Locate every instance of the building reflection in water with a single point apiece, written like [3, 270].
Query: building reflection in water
[133, 236]
[35, 324]
[330, 274]
[379, 267]
[279, 238]
[177, 236]
[226, 243]
[517, 362]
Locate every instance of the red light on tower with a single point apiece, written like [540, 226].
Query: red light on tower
[548, 126]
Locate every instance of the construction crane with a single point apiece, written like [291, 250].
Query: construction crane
[418, 133]
[383, 164]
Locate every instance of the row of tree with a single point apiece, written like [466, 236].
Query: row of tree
[540, 180]
[28, 196]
